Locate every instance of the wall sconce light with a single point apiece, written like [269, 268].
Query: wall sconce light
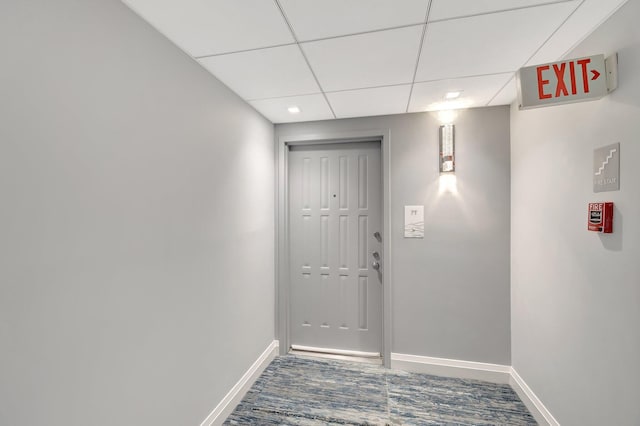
[447, 148]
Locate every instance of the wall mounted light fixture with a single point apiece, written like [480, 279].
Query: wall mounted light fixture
[447, 148]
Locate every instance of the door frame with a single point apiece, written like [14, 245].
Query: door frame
[282, 279]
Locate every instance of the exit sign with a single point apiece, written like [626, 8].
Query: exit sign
[573, 80]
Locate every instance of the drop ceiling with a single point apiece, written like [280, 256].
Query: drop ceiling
[353, 58]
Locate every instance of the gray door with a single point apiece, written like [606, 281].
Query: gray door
[335, 207]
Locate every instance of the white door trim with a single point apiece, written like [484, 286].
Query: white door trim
[282, 278]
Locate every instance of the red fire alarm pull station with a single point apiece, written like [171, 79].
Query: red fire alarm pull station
[600, 217]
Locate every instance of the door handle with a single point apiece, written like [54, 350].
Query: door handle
[375, 265]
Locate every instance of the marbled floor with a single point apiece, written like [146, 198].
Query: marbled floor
[299, 390]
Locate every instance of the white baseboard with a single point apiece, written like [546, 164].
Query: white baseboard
[495, 373]
[235, 395]
[533, 403]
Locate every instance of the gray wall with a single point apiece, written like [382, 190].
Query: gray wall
[136, 223]
[450, 289]
[576, 294]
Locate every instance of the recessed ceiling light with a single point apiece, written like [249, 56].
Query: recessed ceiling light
[293, 110]
[452, 95]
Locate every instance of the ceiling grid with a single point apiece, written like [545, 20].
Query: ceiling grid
[415, 70]
[284, 16]
[338, 59]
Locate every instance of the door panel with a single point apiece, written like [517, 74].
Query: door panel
[335, 207]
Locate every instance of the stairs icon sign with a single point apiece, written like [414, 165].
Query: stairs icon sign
[606, 168]
[606, 161]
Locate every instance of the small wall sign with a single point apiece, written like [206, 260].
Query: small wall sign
[606, 168]
[414, 221]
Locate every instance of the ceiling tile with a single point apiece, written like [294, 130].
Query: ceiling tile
[487, 44]
[312, 107]
[265, 73]
[447, 9]
[366, 102]
[313, 19]
[507, 95]
[374, 59]
[474, 92]
[206, 27]
[586, 18]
